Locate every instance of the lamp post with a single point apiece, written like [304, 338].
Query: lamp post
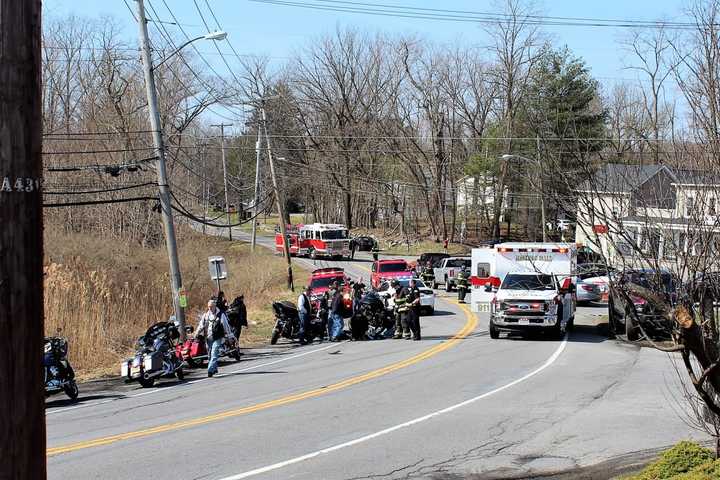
[163, 187]
[508, 157]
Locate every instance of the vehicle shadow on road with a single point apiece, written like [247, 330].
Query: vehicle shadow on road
[589, 333]
[579, 334]
[66, 402]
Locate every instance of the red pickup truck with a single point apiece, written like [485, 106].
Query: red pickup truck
[388, 270]
[321, 279]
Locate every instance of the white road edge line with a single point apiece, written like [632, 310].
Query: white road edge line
[302, 458]
[198, 380]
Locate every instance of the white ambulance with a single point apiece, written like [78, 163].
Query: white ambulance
[525, 286]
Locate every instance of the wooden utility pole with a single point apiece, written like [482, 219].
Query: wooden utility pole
[22, 386]
[224, 162]
[280, 204]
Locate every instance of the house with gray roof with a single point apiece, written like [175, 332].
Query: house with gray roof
[652, 210]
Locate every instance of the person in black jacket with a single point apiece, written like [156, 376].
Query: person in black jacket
[237, 315]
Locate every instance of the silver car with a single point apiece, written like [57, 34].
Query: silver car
[592, 282]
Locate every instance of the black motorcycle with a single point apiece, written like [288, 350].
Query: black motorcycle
[287, 323]
[372, 319]
[155, 356]
[59, 374]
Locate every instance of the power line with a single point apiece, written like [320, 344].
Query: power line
[91, 152]
[98, 202]
[408, 12]
[505, 16]
[106, 190]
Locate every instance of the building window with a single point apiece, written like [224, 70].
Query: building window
[689, 206]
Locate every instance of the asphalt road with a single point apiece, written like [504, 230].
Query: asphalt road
[454, 405]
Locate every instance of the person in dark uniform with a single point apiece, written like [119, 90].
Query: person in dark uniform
[412, 295]
[462, 282]
[375, 252]
[402, 329]
[428, 275]
[353, 246]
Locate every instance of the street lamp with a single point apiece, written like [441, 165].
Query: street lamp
[507, 158]
[217, 36]
[179, 303]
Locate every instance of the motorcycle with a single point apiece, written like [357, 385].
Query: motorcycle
[155, 356]
[59, 374]
[287, 323]
[373, 316]
[194, 351]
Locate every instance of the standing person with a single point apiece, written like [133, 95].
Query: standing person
[445, 245]
[353, 246]
[357, 290]
[375, 252]
[336, 316]
[413, 314]
[462, 283]
[304, 311]
[237, 316]
[402, 329]
[214, 327]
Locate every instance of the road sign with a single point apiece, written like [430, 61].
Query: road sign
[218, 270]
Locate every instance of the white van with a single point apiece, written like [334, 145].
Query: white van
[540, 293]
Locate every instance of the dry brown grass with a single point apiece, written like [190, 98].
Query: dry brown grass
[104, 293]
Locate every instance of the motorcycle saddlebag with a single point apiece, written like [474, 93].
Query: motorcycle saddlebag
[153, 361]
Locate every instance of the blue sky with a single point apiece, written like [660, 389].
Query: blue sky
[278, 31]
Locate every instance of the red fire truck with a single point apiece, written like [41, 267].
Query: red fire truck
[316, 240]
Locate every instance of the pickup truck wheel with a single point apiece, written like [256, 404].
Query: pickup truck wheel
[494, 332]
[448, 285]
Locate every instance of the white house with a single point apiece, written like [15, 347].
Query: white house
[660, 209]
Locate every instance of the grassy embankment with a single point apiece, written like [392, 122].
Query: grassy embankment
[685, 461]
[104, 293]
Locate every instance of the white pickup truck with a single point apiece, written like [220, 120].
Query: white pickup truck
[532, 301]
[448, 269]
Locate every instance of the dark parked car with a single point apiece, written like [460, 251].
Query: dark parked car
[365, 243]
[620, 318]
[432, 257]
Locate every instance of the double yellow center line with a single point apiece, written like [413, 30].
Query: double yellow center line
[469, 326]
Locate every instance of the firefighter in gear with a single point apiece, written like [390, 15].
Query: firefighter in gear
[462, 282]
[428, 275]
[413, 314]
[402, 328]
